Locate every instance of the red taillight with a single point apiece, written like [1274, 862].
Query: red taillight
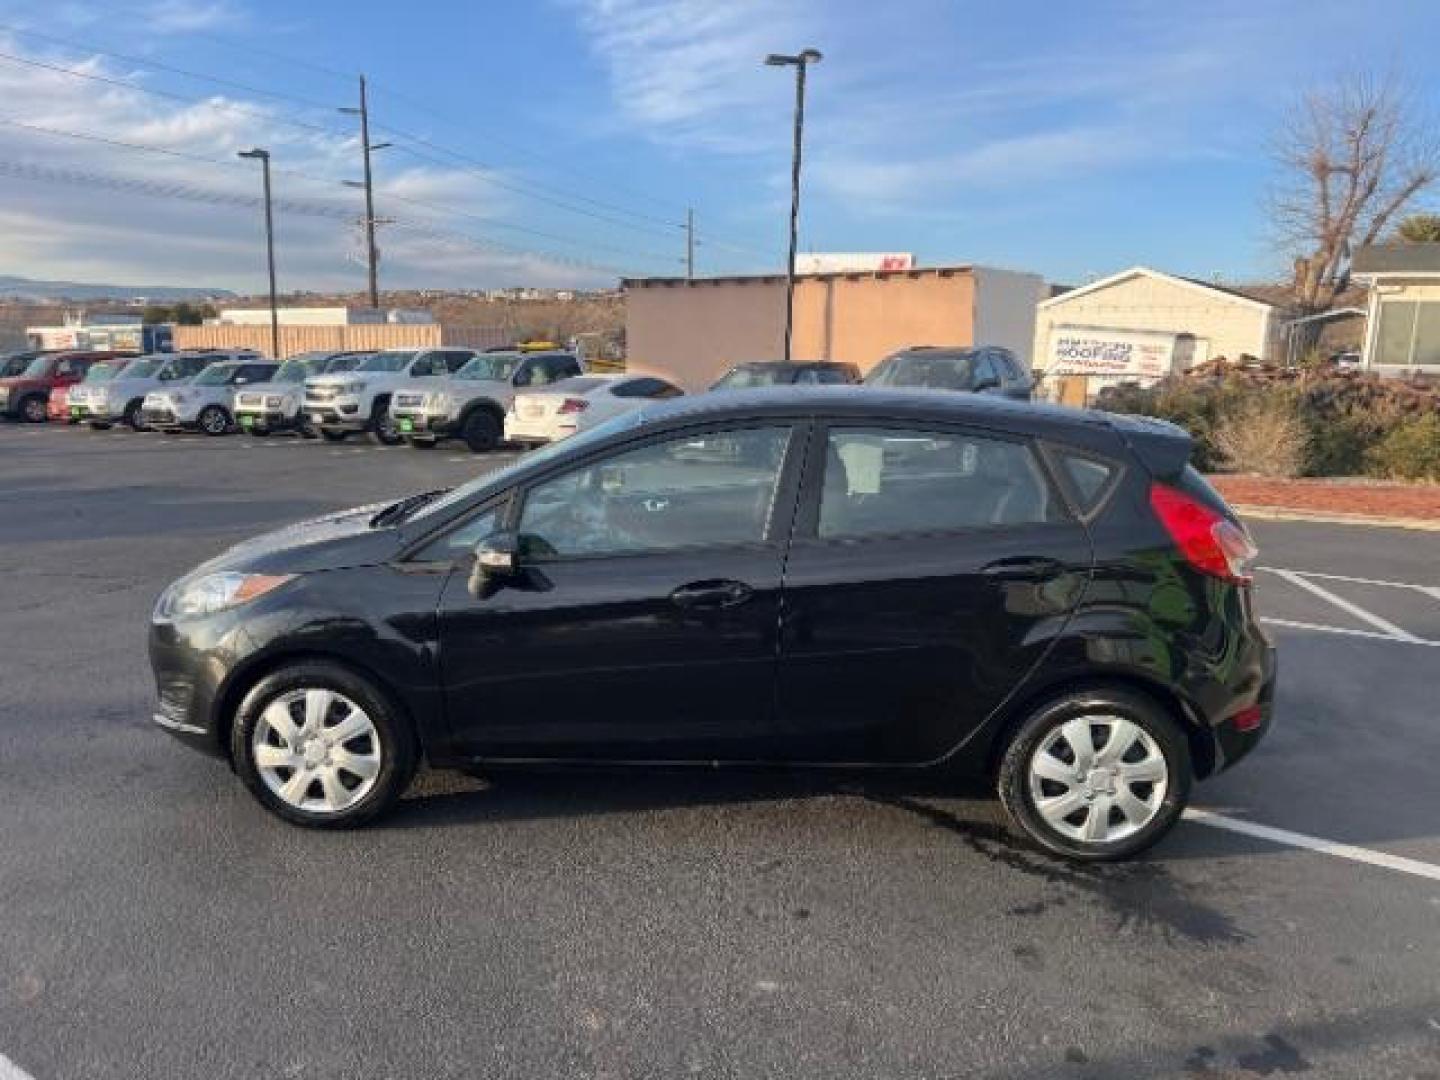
[1248, 719]
[1209, 541]
[573, 405]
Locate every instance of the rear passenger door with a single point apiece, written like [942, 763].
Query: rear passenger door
[926, 562]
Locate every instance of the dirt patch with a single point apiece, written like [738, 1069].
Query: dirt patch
[1370, 498]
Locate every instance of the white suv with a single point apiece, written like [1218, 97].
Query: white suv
[206, 402]
[359, 400]
[472, 403]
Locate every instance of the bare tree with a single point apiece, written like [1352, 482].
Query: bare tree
[1352, 156]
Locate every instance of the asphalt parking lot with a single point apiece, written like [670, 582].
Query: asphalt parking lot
[155, 922]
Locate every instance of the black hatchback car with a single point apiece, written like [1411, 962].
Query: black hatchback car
[834, 577]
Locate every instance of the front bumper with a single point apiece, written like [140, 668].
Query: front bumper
[269, 420]
[188, 677]
[412, 422]
[342, 413]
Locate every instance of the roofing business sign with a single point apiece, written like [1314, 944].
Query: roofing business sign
[1136, 354]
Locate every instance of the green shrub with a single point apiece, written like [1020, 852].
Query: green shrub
[1411, 451]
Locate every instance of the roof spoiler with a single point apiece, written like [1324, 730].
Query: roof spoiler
[1162, 447]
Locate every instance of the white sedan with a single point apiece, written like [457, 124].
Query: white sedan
[571, 405]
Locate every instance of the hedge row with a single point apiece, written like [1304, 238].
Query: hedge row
[1298, 423]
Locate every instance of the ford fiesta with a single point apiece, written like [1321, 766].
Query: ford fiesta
[835, 577]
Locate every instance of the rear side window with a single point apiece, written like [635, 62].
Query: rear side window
[889, 481]
[1089, 477]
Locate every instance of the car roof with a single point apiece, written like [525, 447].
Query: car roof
[1082, 426]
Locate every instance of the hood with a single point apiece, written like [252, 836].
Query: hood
[468, 388]
[331, 542]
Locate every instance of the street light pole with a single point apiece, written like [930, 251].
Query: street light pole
[263, 156]
[800, 63]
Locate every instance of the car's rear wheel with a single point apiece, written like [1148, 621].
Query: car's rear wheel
[1097, 775]
[481, 431]
[213, 420]
[321, 746]
[33, 410]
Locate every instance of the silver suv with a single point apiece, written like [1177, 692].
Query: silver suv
[280, 405]
[472, 403]
[119, 399]
[359, 400]
[206, 402]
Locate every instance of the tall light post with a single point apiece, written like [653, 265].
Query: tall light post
[367, 148]
[800, 62]
[263, 156]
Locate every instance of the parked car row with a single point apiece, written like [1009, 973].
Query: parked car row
[422, 396]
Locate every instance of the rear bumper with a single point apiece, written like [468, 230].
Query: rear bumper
[1237, 732]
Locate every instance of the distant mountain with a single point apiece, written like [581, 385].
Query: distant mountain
[18, 288]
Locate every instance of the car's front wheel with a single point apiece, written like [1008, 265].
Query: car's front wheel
[33, 410]
[382, 426]
[1097, 775]
[132, 418]
[320, 746]
[481, 431]
[213, 420]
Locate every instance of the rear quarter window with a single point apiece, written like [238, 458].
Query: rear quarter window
[1090, 479]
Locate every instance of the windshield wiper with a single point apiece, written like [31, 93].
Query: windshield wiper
[398, 512]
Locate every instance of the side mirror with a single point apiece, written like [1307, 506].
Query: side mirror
[498, 556]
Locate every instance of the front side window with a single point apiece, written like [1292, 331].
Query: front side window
[751, 375]
[884, 481]
[391, 360]
[39, 367]
[217, 375]
[697, 491]
[490, 367]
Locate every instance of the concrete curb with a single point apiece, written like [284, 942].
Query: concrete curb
[1319, 517]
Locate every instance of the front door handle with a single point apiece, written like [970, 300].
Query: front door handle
[1024, 568]
[711, 594]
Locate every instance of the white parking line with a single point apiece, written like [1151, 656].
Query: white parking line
[1428, 590]
[10, 1071]
[1314, 843]
[1373, 635]
[1346, 606]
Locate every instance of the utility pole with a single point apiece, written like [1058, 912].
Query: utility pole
[263, 156]
[372, 257]
[800, 63]
[689, 245]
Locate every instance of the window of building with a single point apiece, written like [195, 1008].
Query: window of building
[1408, 334]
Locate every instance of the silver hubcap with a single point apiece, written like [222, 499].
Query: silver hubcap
[214, 421]
[1098, 779]
[317, 750]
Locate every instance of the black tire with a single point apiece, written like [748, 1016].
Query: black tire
[1164, 729]
[481, 429]
[213, 420]
[397, 743]
[308, 432]
[33, 409]
[131, 417]
[333, 434]
[382, 426]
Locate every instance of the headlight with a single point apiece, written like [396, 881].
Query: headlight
[214, 592]
[441, 402]
[274, 402]
[353, 388]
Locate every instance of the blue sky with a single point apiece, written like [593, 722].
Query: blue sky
[560, 141]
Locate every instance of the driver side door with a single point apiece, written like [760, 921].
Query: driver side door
[643, 622]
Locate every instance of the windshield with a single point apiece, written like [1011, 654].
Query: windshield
[345, 363]
[216, 375]
[142, 369]
[500, 477]
[947, 371]
[13, 365]
[494, 367]
[397, 360]
[295, 369]
[103, 372]
[748, 375]
[39, 368]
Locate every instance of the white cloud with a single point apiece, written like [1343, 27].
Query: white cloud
[61, 229]
[188, 16]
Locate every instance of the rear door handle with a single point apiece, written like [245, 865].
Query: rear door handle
[1023, 568]
[711, 594]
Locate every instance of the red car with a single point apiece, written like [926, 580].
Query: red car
[27, 396]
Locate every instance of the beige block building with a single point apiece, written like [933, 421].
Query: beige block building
[692, 332]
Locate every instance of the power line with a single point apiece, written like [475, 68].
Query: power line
[191, 193]
[392, 196]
